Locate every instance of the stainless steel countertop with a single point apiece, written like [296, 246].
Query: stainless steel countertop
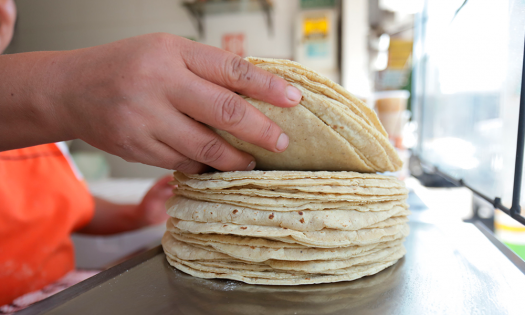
[452, 269]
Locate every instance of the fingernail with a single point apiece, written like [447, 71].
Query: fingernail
[293, 94]
[250, 166]
[282, 142]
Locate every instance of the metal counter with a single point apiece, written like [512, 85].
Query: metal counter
[456, 269]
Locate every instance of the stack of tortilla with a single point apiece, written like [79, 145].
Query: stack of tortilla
[200, 296]
[314, 216]
[286, 228]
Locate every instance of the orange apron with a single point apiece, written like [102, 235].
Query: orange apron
[42, 201]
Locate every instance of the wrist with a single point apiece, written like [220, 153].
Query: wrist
[56, 83]
[131, 217]
[30, 113]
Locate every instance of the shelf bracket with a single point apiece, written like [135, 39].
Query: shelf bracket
[198, 9]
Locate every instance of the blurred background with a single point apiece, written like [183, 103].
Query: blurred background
[443, 75]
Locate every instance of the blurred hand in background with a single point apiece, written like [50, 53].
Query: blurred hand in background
[111, 218]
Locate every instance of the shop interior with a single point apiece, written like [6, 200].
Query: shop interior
[444, 78]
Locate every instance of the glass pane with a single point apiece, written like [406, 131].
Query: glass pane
[467, 88]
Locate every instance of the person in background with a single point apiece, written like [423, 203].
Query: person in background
[146, 99]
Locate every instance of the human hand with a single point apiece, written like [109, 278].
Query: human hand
[152, 208]
[148, 98]
[110, 218]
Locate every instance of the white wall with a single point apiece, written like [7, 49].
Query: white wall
[70, 24]
[354, 59]
[259, 42]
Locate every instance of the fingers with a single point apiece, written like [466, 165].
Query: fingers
[234, 73]
[162, 189]
[164, 182]
[225, 110]
[163, 186]
[199, 143]
[152, 205]
[159, 154]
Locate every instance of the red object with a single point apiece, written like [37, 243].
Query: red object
[233, 42]
[41, 202]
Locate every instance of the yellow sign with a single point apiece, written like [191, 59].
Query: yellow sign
[399, 52]
[315, 27]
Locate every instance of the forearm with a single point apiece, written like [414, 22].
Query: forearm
[29, 111]
[111, 218]
[146, 99]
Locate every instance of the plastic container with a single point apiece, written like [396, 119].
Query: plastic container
[391, 110]
[391, 101]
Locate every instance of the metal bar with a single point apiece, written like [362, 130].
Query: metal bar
[518, 169]
[196, 11]
[515, 259]
[419, 96]
[460, 183]
[266, 7]
[496, 202]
